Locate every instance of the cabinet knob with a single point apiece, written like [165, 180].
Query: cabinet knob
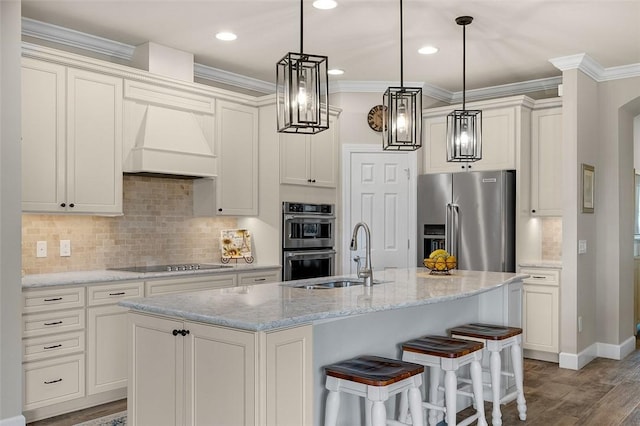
[219, 210]
[63, 205]
[533, 211]
[313, 181]
[309, 180]
[175, 332]
[72, 205]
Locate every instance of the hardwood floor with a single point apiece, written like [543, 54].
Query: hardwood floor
[604, 393]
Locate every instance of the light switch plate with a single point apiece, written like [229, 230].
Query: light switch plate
[582, 246]
[65, 248]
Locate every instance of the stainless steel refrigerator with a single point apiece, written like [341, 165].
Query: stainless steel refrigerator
[471, 215]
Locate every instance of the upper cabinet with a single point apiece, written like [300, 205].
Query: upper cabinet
[71, 140]
[501, 133]
[546, 158]
[235, 191]
[310, 159]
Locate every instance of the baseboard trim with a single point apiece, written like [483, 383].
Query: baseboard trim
[14, 421]
[597, 350]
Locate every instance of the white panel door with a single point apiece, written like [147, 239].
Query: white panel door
[379, 197]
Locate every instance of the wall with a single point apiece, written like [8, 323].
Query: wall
[10, 291]
[158, 227]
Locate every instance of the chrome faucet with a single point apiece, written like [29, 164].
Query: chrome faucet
[365, 272]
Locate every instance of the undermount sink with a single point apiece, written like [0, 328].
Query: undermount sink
[339, 283]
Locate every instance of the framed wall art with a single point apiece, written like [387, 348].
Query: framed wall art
[588, 188]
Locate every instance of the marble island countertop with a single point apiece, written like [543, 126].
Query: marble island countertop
[110, 275]
[279, 305]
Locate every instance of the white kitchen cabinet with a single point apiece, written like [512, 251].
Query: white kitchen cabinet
[310, 159]
[214, 375]
[259, 277]
[207, 376]
[546, 160]
[501, 122]
[107, 335]
[72, 140]
[540, 314]
[181, 285]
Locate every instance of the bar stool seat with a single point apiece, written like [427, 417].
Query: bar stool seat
[441, 353]
[376, 379]
[496, 338]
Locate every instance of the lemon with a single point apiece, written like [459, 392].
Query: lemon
[451, 262]
[441, 264]
[430, 263]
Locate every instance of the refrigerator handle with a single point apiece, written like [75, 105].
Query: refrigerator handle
[447, 228]
[455, 229]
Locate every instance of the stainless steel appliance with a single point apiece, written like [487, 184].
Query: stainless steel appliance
[308, 236]
[471, 215]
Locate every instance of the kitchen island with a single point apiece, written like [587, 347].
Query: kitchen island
[254, 355]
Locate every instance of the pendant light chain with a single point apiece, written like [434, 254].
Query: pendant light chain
[301, 27]
[464, 65]
[401, 50]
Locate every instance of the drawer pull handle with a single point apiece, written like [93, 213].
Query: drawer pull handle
[259, 279]
[120, 293]
[53, 299]
[181, 332]
[53, 323]
[52, 381]
[53, 346]
[537, 277]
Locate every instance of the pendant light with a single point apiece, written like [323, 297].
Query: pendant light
[402, 121]
[302, 91]
[464, 127]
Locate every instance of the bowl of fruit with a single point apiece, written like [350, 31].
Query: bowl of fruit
[440, 262]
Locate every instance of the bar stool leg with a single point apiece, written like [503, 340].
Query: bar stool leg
[378, 414]
[450, 395]
[478, 393]
[368, 408]
[434, 382]
[516, 359]
[331, 408]
[415, 404]
[496, 373]
[403, 407]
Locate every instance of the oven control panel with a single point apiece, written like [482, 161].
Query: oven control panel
[307, 208]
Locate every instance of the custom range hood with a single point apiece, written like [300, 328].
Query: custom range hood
[168, 128]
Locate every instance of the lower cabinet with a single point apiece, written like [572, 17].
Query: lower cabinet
[540, 311]
[189, 373]
[181, 285]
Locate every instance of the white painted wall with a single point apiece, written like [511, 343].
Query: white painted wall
[10, 216]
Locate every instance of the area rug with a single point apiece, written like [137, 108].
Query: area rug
[117, 419]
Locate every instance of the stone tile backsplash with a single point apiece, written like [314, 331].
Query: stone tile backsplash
[552, 238]
[157, 227]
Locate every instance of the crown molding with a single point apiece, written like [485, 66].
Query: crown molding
[232, 79]
[593, 69]
[511, 89]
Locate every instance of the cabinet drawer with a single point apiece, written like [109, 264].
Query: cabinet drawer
[53, 381]
[262, 277]
[542, 276]
[52, 322]
[112, 293]
[37, 348]
[52, 299]
[181, 285]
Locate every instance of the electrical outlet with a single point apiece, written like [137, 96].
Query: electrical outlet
[582, 246]
[41, 249]
[65, 248]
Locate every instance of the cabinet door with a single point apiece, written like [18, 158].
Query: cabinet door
[237, 139]
[43, 136]
[220, 376]
[289, 370]
[323, 157]
[260, 277]
[294, 159]
[546, 162]
[540, 318]
[156, 362]
[106, 348]
[94, 143]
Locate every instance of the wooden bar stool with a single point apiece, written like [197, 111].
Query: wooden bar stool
[447, 354]
[496, 338]
[375, 379]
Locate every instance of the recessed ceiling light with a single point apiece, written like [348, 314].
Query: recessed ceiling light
[335, 71]
[324, 4]
[427, 50]
[226, 36]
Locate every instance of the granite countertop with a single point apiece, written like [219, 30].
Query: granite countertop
[278, 305]
[106, 275]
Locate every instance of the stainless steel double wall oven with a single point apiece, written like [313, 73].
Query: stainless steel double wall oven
[308, 237]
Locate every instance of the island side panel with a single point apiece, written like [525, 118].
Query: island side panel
[381, 333]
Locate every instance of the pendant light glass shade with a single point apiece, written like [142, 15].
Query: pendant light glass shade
[401, 123]
[402, 120]
[302, 91]
[464, 127]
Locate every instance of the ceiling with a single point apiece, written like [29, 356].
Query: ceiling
[509, 41]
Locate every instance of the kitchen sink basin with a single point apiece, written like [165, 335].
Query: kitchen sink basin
[338, 283]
